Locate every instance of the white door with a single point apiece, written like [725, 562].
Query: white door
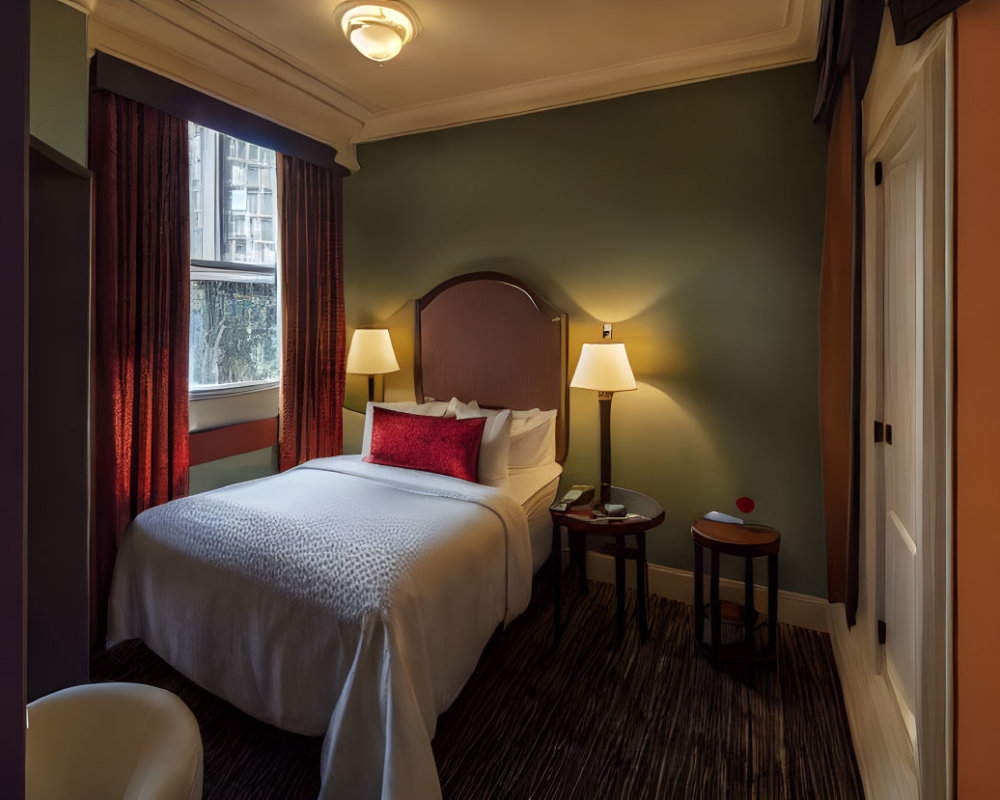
[902, 382]
[907, 510]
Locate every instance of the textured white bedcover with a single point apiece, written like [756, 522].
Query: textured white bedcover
[339, 597]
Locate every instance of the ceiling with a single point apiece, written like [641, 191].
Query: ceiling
[473, 60]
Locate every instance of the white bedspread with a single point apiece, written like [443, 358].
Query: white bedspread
[338, 597]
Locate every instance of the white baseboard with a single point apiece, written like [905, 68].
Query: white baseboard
[803, 610]
[882, 744]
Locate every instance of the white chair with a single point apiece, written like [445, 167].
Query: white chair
[106, 741]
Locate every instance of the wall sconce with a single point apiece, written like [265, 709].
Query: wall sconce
[371, 354]
[377, 30]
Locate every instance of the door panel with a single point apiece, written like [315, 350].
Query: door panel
[903, 209]
[901, 617]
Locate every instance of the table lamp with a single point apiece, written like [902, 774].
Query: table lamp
[604, 368]
[371, 354]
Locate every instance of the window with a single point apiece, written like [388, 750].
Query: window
[234, 255]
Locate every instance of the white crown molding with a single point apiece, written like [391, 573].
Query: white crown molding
[191, 44]
[186, 43]
[86, 6]
[199, 19]
[795, 41]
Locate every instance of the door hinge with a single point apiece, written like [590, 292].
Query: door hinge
[879, 431]
[888, 434]
[878, 173]
[881, 631]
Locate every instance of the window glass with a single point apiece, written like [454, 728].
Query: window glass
[199, 170]
[234, 333]
[249, 204]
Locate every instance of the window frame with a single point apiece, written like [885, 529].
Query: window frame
[241, 273]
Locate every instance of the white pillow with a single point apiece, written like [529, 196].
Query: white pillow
[495, 446]
[533, 416]
[471, 409]
[532, 433]
[411, 407]
[532, 439]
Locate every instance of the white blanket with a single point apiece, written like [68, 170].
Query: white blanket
[338, 597]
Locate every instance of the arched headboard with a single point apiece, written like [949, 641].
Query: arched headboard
[487, 337]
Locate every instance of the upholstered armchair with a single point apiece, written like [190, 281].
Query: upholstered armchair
[112, 740]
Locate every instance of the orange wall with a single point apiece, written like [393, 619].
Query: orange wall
[977, 396]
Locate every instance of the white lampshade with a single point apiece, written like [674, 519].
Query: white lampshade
[603, 367]
[371, 352]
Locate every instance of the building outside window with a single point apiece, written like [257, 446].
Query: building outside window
[234, 335]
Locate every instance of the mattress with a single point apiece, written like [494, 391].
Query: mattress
[535, 490]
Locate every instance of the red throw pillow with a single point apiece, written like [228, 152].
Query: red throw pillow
[433, 444]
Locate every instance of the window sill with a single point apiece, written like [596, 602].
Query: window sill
[230, 389]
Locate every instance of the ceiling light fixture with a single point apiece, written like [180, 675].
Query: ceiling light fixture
[377, 30]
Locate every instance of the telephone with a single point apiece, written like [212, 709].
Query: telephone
[577, 496]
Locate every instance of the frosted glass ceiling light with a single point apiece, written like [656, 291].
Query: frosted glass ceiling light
[377, 31]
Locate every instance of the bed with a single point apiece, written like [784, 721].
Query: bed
[351, 599]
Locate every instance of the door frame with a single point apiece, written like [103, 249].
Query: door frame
[14, 125]
[924, 97]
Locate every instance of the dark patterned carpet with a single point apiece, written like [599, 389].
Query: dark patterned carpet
[581, 721]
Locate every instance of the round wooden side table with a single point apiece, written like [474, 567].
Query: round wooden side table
[748, 542]
[581, 523]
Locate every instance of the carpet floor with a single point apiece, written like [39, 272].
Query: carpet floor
[584, 720]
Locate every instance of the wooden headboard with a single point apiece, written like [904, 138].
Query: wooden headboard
[487, 337]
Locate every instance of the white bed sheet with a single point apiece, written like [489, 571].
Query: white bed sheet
[270, 595]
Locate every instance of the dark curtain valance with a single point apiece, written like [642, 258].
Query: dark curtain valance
[848, 39]
[910, 18]
[127, 80]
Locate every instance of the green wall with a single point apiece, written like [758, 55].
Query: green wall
[59, 77]
[690, 217]
[242, 467]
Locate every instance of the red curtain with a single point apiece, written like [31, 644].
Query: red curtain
[837, 309]
[139, 157]
[849, 35]
[312, 307]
